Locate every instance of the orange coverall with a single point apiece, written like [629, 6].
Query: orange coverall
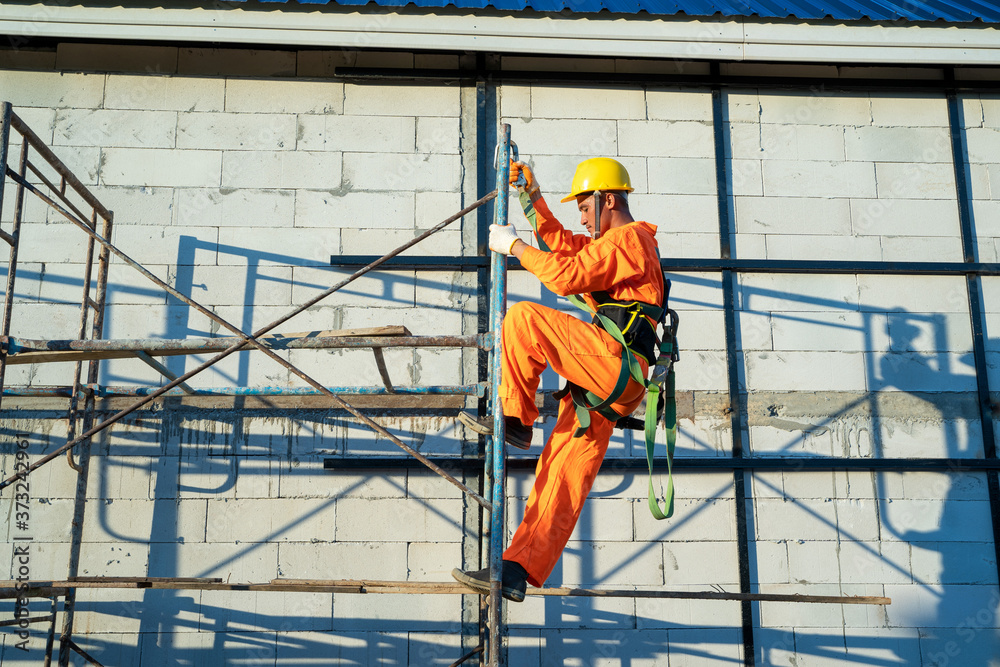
[624, 262]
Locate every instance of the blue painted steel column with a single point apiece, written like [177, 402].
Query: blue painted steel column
[498, 306]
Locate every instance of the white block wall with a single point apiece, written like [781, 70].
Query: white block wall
[235, 182]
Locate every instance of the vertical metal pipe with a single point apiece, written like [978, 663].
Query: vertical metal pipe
[80, 504]
[973, 283]
[498, 307]
[51, 637]
[15, 234]
[733, 365]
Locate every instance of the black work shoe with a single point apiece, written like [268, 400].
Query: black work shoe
[512, 587]
[517, 434]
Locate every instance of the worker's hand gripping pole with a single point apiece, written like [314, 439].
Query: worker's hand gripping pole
[498, 307]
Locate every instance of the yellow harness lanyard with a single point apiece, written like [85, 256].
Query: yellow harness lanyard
[661, 404]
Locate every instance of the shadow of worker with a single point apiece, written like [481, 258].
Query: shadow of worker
[924, 404]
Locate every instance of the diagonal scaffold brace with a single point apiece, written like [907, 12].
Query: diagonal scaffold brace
[244, 338]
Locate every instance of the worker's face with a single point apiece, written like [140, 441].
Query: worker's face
[585, 204]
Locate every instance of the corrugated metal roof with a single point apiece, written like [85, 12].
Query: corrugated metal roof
[949, 11]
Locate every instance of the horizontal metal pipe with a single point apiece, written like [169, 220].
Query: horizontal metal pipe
[435, 263]
[112, 392]
[612, 465]
[157, 346]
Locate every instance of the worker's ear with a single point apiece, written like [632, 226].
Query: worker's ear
[612, 201]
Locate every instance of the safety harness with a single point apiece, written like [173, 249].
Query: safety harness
[631, 324]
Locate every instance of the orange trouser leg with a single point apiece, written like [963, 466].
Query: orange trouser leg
[535, 336]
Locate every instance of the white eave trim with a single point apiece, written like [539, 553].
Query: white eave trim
[639, 36]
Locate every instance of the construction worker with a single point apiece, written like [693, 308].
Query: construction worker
[618, 266]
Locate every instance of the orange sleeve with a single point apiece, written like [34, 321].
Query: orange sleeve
[598, 265]
[554, 234]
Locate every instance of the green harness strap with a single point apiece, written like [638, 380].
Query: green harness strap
[662, 383]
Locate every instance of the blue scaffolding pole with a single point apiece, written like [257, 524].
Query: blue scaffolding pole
[496, 469]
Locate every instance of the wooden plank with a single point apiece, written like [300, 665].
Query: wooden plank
[35, 351]
[364, 586]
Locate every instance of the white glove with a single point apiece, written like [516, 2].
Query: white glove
[503, 238]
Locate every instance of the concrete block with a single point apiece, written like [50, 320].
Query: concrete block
[271, 520]
[678, 213]
[447, 289]
[825, 647]
[769, 562]
[818, 109]
[747, 178]
[45, 320]
[309, 247]
[318, 208]
[940, 332]
[361, 647]
[224, 285]
[841, 617]
[603, 647]
[786, 142]
[984, 216]
[914, 181]
[116, 58]
[118, 477]
[801, 246]
[166, 93]
[515, 100]
[226, 131]
[138, 205]
[972, 642]
[387, 100]
[605, 519]
[797, 293]
[798, 178]
[679, 104]
[84, 162]
[235, 62]
[953, 562]
[447, 243]
[307, 479]
[813, 562]
[397, 171]
[582, 138]
[857, 519]
[909, 110]
[695, 563]
[432, 613]
[230, 207]
[793, 215]
[828, 331]
[434, 648]
[41, 121]
[913, 519]
[52, 89]
[284, 96]
[875, 563]
[231, 561]
[339, 560]
[380, 134]
[944, 607]
[665, 613]
[282, 169]
[982, 143]
[806, 519]
[907, 217]
[990, 110]
[677, 139]
[899, 144]
[599, 102]
[439, 135]
[144, 521]
[52, 244]
[436, 367]
[432, 561]
[913, 294]
[682, 176]
[805, 371]
[793, 439]
[167, 245]
[160, 167]
[694, 520]
[399, 522]
[704, 370]
[924, 438]
[386, 289]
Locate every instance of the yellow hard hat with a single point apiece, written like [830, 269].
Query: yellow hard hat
[599, 173]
